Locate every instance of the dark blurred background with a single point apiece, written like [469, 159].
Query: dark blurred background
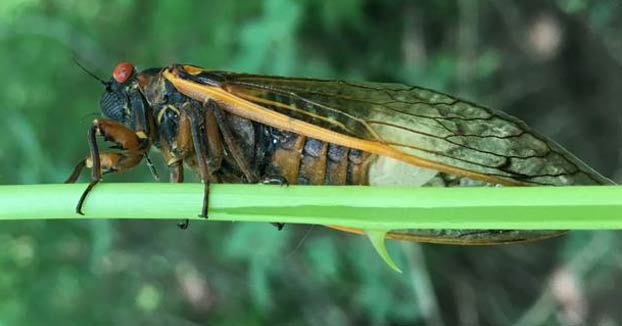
[555, 64]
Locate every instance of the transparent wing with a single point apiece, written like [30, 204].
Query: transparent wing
[421, 122]
[488, 145]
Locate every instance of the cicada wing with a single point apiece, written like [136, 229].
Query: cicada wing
[420, 125]
[463, 237]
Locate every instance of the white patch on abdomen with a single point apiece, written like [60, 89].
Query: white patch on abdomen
[385, 171]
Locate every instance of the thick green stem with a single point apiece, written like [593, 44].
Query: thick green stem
[594, 207]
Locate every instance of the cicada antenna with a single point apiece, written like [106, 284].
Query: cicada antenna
[75, 59]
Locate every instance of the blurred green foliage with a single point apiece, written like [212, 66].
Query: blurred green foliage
[556, 64]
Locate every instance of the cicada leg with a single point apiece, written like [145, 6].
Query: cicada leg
[213, 111]
[206, 134]
[132, 150]
[208, 146]
[280, 181]
[176, 175]
[211, 107]
[214, 141]
[175, 162]
[177, 172]
[200, 150]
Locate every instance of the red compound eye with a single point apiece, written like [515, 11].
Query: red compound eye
[122, 72]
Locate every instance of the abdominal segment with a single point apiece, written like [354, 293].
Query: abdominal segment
[308, 161]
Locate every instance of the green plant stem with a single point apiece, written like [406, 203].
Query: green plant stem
[593, 207]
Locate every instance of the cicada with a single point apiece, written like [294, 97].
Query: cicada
[243, 128]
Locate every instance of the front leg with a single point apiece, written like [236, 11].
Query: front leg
[132, 150]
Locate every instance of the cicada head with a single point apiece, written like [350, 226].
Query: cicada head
[115, 102]
[124, 101]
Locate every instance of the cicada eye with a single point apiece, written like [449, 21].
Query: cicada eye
[113, 105]
[122, 72]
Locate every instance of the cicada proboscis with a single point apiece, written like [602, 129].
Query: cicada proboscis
[243, 128]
